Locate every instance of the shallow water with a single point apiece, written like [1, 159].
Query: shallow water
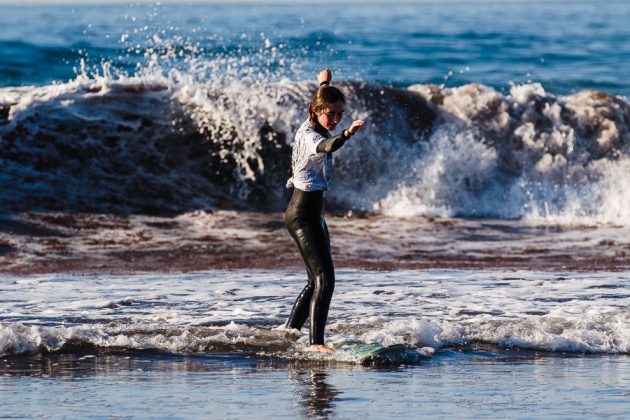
[452, 384]
[61, 242]
[244, 310]
[211, 344]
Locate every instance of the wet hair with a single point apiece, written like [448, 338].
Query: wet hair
[322, 99]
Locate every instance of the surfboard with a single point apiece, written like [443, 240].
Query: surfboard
[374, 354]
[355, 353]
[348, 351]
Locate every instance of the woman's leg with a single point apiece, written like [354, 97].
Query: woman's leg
[300, 310]
[314, 246]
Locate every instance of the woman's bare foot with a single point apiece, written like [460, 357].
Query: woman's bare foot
[321, 348]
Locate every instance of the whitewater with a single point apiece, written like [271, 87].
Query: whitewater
[245, 310]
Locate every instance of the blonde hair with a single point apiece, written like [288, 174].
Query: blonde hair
[322, 99]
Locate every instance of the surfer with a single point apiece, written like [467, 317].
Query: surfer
[311, 163]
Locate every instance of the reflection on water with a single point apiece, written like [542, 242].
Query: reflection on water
[313, 393]
[86, 365]
[466, 382]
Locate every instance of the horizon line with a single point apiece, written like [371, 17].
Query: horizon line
[258, 2]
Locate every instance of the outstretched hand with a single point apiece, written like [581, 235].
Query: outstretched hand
[324, 76]
[355, 126]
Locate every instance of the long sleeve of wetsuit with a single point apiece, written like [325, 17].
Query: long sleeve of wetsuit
[332, 144]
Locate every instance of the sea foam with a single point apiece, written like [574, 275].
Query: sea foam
[245, 310]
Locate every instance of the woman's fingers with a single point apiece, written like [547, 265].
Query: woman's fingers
[355, 126]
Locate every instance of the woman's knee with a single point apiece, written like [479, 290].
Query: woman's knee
[325, 281]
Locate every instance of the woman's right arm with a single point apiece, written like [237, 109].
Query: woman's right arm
[332, 144]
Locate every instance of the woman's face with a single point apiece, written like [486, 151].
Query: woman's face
[331, 115]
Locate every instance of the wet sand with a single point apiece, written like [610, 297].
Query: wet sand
[33, 243]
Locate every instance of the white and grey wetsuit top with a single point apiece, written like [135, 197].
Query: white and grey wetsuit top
[311, 170]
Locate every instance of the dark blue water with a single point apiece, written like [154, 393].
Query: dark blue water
[566, 46]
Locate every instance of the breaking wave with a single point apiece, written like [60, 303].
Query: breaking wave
[605, 334]
[161, 143]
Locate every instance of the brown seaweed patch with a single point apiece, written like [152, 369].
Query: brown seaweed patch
[208, 238]
[54, 244]
[442, 222]
[81, 221]
[169, 225]
[530, 250]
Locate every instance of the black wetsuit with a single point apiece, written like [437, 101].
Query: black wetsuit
[304, 219]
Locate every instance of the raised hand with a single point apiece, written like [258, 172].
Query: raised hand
[355, 126]
[324, 76]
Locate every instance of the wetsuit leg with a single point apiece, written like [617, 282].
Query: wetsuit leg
[301, 307]
[305, 223]
[314, 247]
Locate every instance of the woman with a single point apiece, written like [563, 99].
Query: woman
[311, 167]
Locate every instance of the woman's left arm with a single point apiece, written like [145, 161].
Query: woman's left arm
[324, 77]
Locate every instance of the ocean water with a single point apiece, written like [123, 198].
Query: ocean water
[498, 122]
[519, 344]
[244, 310]
[472, 110]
